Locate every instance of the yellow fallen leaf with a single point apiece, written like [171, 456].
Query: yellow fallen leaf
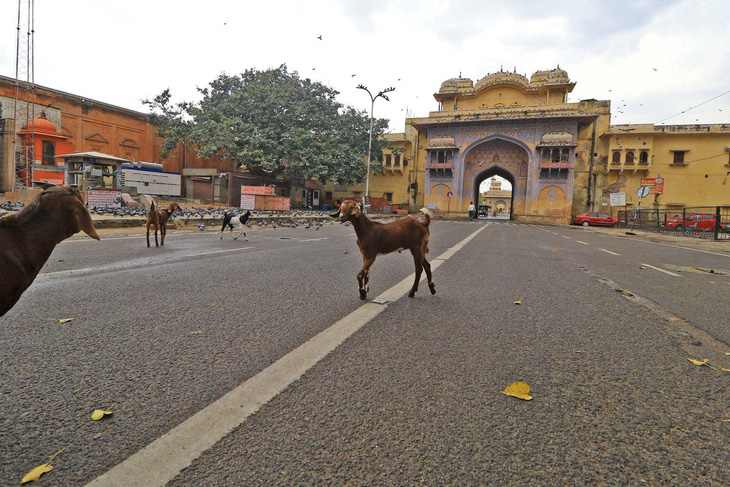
[35, 474]
[712, 282]
[579, 351]
[724, 369]
[725, 420]
[65, 320]
[518, 302]
[196, 332]
[519, 390]
[76, 391]
[557, 250]
[100, 413]
[698, 362]
[727, 353]
[642, 267]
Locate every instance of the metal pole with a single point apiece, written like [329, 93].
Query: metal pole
[370, 144]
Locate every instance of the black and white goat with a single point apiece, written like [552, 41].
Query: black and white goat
[230, 219]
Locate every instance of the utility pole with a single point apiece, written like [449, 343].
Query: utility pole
[382, 95]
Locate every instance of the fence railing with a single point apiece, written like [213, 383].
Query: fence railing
[711, 222]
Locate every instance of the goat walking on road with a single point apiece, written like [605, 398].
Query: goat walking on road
[230, 219]
[375, 238]
[28, 237]
[159, 219]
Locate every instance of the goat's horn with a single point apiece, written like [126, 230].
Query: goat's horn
[335, 214]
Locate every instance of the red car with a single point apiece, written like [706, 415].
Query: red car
[704, 222]
[594, 218]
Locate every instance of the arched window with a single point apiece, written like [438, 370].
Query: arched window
[629, 157]
[546, 155]
[616, 158]
[564, 155]
[644, 157]
[556, 155]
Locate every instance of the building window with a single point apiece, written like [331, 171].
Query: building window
[546, 155]
[616, 158]
[49, 152]
[397, 160]
[555, 155]
[328, 195]
[550, 173]
[629, 157]
[679, 157]
[389, 197]
[387, 159]
[565, 155]
[644, 157]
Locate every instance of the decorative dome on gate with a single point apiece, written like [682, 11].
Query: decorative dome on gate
[502, 77]
[555, 76]
[456, 84]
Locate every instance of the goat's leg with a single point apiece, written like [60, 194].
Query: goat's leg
[363, 277]
[239, 233]
[427, 268]
[156, 228]
[163, 232]
[418, 260]
[148, 234]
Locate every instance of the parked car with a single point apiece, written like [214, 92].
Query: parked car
[706, 223]
[695, 221]
[594, 218]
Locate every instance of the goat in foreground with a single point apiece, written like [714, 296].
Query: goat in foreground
[375, 238]
[230, 219]
[28, 237]
[159, 219]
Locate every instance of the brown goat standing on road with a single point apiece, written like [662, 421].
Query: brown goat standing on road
[28, 237]
[375, 238]
[159, 218]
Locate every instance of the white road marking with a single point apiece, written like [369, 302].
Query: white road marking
[609, 252]
[565, 236]
[218, 252]
[69, 271]
[661, 270]
[581, 242]
[160, 461]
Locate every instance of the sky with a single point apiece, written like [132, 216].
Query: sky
[652, 59]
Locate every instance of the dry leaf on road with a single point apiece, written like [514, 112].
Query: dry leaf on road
[518, 302]
[35, 474]
[698, 362]
[196, 332]
[519, 390]
[65, 320]
[99, 414]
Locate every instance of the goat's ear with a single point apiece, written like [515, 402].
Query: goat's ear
[84, 222]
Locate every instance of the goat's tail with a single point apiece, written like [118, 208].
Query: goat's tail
[427, 216]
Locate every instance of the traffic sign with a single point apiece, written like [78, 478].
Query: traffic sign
[643, 191]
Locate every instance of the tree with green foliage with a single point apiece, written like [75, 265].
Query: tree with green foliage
[273, 122]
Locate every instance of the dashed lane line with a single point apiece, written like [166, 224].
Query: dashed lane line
[581, 242]
[661, 270]
[163, 459]
[218, 252]
[609, 252]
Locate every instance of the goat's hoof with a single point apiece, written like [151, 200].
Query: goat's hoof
[411, 294]
[363, 294]
[432, 287]
[235, 238]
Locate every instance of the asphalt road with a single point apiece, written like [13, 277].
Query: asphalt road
[602, 337]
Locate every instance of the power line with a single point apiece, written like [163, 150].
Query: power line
[691, 108]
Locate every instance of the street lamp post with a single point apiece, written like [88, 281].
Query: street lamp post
[382, 95]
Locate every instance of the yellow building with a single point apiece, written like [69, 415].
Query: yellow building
[562, 158]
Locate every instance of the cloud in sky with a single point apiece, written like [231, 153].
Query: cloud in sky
[652, 59]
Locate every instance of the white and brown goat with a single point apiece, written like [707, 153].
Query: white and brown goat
[28, 237]
[376, 238]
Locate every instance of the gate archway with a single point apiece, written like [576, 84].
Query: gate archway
[497, 156]
[495, 171]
